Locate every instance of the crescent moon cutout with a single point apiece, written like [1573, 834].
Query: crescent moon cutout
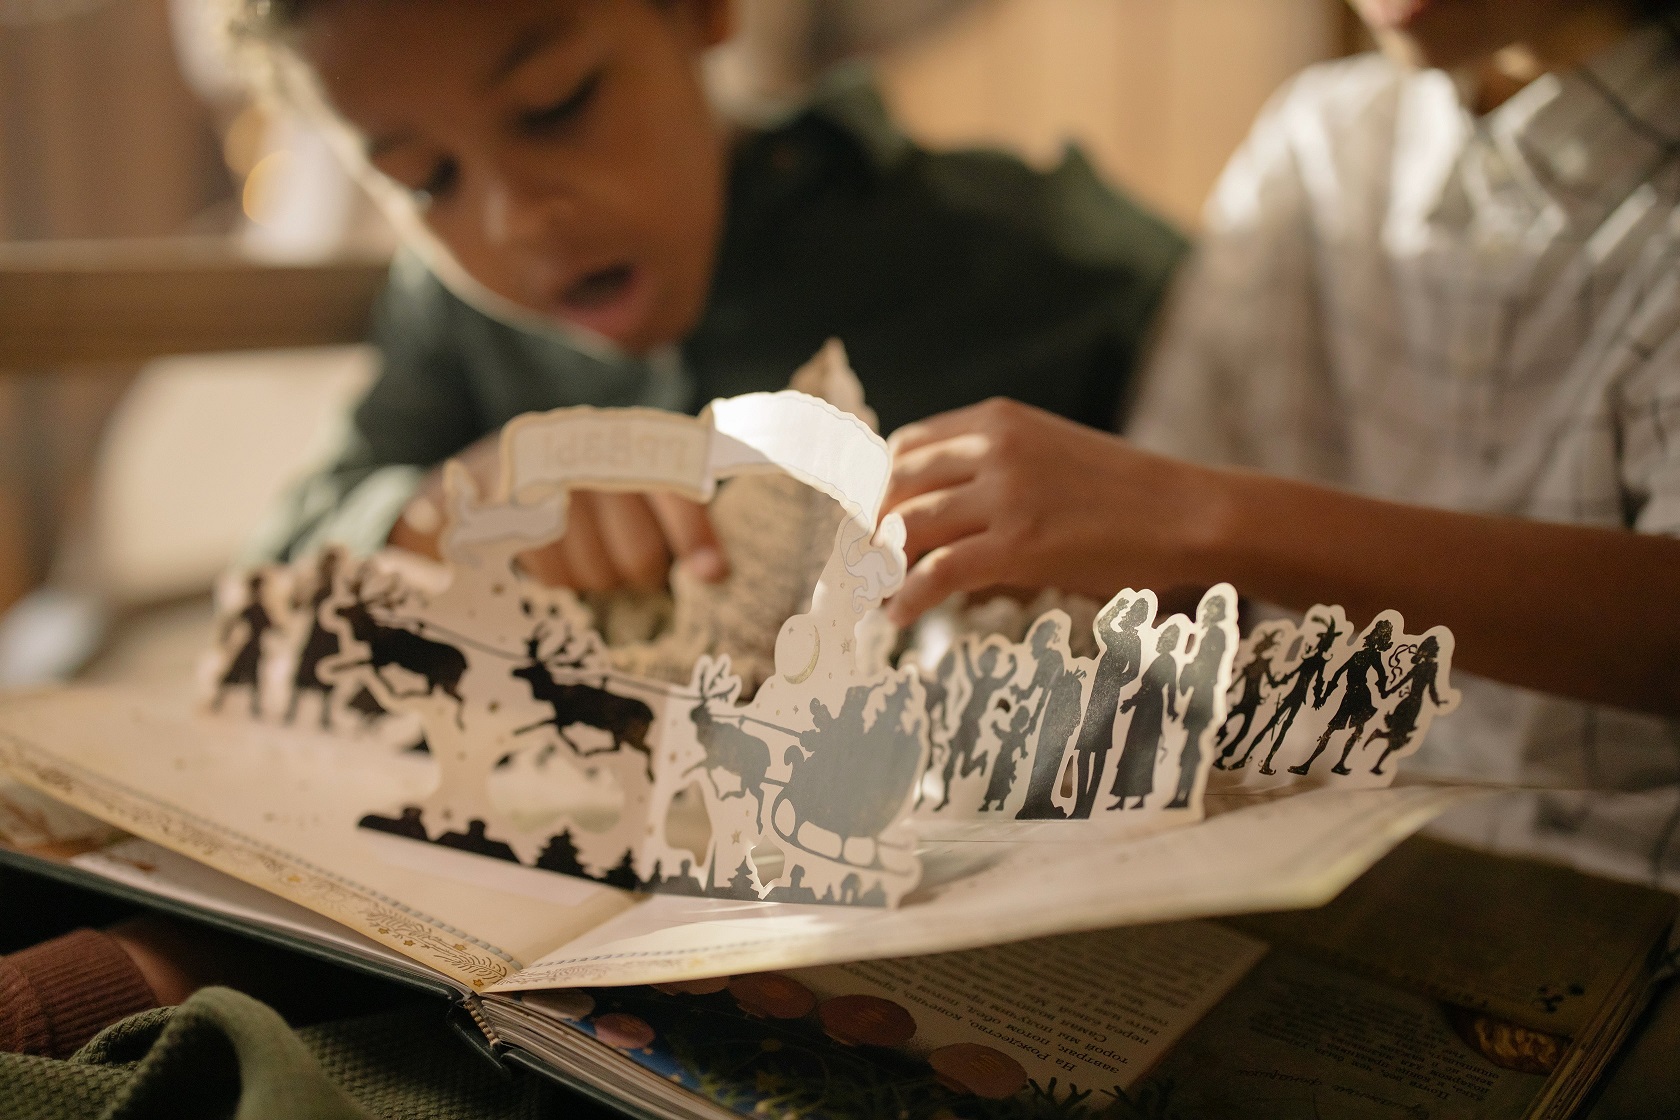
[811, 667]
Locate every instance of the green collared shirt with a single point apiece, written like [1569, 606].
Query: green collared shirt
[950, 277]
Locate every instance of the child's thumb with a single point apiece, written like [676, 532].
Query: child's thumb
[688, 530]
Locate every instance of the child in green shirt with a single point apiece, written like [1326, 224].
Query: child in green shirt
[592, 233]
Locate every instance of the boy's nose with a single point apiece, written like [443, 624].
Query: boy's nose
[526, 215]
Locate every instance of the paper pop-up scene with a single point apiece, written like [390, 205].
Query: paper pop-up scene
[385, 735]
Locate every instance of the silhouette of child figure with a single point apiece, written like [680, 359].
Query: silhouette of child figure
[983, 685]
[1056, 718]
[1356, 708]
[1200, 683]
[1403, 720]
[1306, 676]
[1253, 682]
[1151, 704]
[243, 670]
[321, 644]
[1014, 748]
[1117, 667]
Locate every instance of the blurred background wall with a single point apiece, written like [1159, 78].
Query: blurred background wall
[102, 136]
[99, 137]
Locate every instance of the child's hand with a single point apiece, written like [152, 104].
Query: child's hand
[612, 541]
[1001, 494]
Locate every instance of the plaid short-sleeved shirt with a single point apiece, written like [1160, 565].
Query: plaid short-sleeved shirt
[1479, 313]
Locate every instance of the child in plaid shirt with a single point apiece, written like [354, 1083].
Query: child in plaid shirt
[1428, 358]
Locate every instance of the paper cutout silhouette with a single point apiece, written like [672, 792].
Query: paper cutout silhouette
[1332, 685]
[1124, 739]
[763, 746]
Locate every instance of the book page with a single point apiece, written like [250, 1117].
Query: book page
[1056, 1027]
[164, 874]
[1093, 1011]
[1529, 942]
[1300, 1038]
[277, 808]
[1298, 851]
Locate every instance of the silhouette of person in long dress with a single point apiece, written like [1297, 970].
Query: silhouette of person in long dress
[1056, 719]
[1200, 683]
[983, 685]
[1150, 704]
[321, 644]
[1117, 667]
[1013, 748]
[937, 688]
[242, 671]
[1252, 680]
[1306, 676]
[1403, 719]
[1356, 708]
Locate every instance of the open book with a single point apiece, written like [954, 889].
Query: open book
[1441, 984]
[773, 779]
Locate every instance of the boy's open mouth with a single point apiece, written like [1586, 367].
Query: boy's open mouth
[610, 301]
[599, 287]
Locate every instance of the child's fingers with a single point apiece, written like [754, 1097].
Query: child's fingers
[935, 428]
[584, 551]
[935, 466]
[688, 529]
[634, 540]
[970, 563]
[547, 565]
[935, 519]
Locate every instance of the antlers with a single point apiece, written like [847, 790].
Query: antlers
[568, 653]
[718, 678]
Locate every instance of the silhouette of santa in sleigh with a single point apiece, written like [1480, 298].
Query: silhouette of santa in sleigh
[849, 775]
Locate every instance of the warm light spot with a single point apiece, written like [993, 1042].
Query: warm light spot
[259, 199]
[242, 144]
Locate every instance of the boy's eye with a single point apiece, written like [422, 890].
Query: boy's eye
[437, 184]
[563, 111]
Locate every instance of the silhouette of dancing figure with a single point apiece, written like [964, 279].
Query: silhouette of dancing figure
[1013, 749]
[1306, 676]
[243, 670]
[983, 685]
[1356, 708]
[937, 688]
[1056, 719]
[1150, 704]
[1117, 667]
[321, 644]
[1403, 720]
[1252, 680]
[1200, 682]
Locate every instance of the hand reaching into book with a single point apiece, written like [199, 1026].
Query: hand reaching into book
[612, 541]
[1003, 495]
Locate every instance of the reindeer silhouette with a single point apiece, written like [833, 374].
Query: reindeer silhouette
[625, 718]
[728, 748]
[441, 665]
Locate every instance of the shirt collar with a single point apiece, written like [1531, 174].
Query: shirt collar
[846, 108]
[1583, 140]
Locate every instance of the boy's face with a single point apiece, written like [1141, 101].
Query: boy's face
[562, 150]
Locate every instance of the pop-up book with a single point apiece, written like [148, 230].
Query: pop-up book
[748, 850]
[770, 755]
